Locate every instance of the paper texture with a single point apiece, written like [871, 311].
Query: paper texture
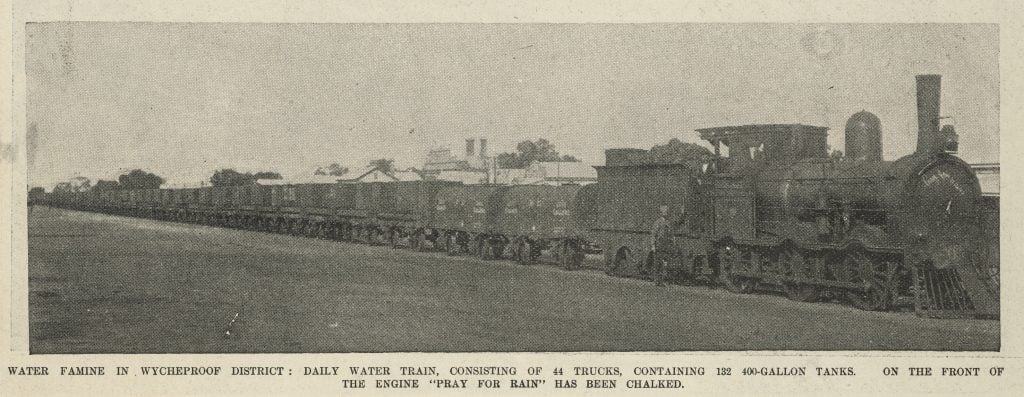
[308, 98]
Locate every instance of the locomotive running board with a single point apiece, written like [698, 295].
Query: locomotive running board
[950, 293]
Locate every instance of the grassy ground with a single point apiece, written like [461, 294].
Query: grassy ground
[108, 284]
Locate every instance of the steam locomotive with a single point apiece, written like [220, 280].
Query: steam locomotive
[778, 213]
[770, 211]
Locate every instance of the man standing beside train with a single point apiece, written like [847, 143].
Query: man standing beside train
[661, 246]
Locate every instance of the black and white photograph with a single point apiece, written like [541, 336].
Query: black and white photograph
[529, 187]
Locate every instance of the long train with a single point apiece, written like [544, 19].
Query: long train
[770, 211]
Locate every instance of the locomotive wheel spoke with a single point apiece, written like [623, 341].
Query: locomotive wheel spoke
[794, 264]
[874, 295]
[730, 262]
[871, 299]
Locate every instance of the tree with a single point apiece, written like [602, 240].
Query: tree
[139, 179]
[266, 175]
[384, 165]
[230, 177]
[106, 185]
[36, 194]
[334, 169]
[529, 151]
[679, 152]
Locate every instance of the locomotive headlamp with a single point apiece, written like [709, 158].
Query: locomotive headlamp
[950, 140]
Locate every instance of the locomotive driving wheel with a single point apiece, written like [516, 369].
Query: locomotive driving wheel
[730, 262]
[875, 279]
[794, 264]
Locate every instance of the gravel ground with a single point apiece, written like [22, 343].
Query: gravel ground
[107, 284]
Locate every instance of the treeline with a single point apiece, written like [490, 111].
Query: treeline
[526, 153]
[140, 179]
[230, 177]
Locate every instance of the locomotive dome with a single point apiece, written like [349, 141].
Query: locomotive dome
[864, 137]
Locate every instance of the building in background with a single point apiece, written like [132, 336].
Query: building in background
[477, 166]
[988, 177]
[560, 173]
[441, 159]
[307, 179]
[472, 167]
[375, 174]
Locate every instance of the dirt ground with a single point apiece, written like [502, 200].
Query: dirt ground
[106, 284]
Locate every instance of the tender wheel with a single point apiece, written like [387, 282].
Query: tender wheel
[621, 261]
[497, 250]
[800, 292]
[419, 241]
[483, 249]
[874, 295]
[569, 257]
[729, 261]
[452, 245]
[525, 254]
[392, 238]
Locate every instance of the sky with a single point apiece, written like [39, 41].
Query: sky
[184, 99]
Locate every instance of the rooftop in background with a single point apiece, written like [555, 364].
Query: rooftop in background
[442, 159]
[561, 172]
[374, 174]
[319, 179]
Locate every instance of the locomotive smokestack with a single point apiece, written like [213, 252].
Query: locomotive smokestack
[929, 94]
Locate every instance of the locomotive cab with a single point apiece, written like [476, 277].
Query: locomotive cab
[746, 146]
